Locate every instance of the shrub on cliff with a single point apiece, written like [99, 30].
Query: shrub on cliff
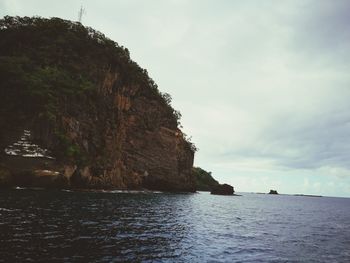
[204, 179]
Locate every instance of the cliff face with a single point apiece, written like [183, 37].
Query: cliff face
[77, 112]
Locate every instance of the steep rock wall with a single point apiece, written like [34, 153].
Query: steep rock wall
[117, 133]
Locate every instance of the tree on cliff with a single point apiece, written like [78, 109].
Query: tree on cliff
[79, 96]
[41, 69]
[204, 179]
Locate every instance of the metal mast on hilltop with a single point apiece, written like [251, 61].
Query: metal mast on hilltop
[81, 13]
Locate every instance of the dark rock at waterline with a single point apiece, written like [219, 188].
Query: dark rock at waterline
[273, 192]
[222, 189]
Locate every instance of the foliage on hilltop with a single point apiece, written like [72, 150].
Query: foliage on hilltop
[204, 179]
[46, 65]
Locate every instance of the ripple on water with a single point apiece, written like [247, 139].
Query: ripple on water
[148, 227]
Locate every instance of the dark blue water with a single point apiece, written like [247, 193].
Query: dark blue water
[42, 225]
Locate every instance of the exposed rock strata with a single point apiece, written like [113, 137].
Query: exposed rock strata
[118, 132]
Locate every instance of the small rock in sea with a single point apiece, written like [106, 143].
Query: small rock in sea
[222, 189]
[273, 192]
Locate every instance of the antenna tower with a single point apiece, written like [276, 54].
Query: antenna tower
[81, 13]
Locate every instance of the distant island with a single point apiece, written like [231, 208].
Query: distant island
[77, 112]
[308, 195]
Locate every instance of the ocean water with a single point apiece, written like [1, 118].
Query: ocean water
[61, 226]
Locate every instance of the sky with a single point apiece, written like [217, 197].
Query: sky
[263, 86]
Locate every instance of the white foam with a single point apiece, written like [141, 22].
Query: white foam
[25, 148]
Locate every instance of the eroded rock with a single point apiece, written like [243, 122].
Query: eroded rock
[82, 108]
[222, 189]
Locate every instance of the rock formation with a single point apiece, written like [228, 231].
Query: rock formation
[76, 111]
[204, 179]
[273, 192]
[222, 189]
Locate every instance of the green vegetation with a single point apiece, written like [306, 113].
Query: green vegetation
[168, 99]
[204, 179]
[48, 63]
[41, 87]
[56, 54]
[67, 148]
[53, 67]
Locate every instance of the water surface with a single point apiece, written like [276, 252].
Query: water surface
[61, 226]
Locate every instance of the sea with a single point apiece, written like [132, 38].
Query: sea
[38, 225]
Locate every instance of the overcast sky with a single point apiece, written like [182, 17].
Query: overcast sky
[263, 86]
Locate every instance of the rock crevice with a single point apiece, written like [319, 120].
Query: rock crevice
[98, 118]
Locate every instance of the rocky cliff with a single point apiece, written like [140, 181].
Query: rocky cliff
[76, 111]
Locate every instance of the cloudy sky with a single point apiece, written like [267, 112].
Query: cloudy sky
[263, 86]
